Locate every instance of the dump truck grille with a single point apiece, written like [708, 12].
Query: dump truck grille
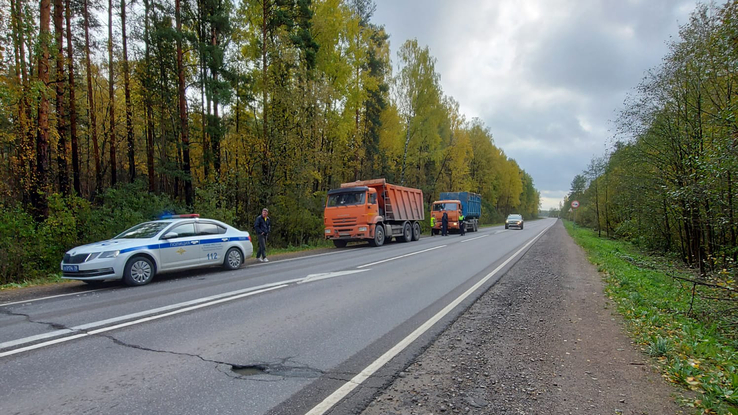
[344, 222]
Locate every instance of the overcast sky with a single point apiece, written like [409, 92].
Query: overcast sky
[547, 77]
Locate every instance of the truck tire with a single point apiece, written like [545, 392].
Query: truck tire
[378, 236]
[339, 243]
[407, 233]
[416, 231]
[476, 226]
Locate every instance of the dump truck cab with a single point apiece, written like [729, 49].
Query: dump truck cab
[350, 214]
[452, 208]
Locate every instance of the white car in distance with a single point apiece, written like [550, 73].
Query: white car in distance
[173, 243]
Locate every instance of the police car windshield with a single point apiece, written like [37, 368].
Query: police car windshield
[143, 230]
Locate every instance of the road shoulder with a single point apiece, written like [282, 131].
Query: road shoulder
[544, 339]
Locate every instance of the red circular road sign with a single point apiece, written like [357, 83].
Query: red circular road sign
[575, 204]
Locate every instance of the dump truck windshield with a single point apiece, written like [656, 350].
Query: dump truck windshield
[346, 199]
[444, 206]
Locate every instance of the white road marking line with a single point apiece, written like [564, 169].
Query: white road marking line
[132, 316]
[357, 380]
[131, 323]
[472, 239]
[52, 296]
[326, 275]
[401, 256]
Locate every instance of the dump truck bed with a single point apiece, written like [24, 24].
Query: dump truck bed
[398, 203]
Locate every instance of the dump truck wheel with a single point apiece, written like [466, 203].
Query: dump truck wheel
[407, 233]
[378, 236]
[416, 231]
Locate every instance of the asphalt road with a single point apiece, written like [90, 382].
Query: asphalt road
[315, 334]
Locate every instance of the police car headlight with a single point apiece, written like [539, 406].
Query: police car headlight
[109, 254]
[92, 256]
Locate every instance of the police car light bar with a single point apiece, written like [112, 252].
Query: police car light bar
[189, 215]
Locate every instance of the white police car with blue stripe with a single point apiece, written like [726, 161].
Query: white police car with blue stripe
[173, 243]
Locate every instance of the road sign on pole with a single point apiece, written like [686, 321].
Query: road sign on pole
[575, 204]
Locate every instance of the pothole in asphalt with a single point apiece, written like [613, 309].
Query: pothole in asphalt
[250, 370]
[276, 370]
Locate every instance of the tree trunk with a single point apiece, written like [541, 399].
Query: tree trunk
[38, 197]
[25, 133]
[404, 154]
[148, 107]
[215, 129]
[72, 101]
[61, 126]
[111, 95]
[127, 87]
[184, 131]
[265, 82]
[91, 101]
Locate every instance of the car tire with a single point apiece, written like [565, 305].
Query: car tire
[507, 226]
[139, 271]
[416, 231]
[233, 259]
[339, 243]
[378, 236]
[521, 227]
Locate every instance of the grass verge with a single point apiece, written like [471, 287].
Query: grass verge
[693, 340]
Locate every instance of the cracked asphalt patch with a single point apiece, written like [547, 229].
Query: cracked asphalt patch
[28, 318]
[542, 340]
[262, 371]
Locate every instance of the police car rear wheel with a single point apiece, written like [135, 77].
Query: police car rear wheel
[233, 259]
[139, 271]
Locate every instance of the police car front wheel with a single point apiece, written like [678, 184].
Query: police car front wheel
[139, 271]
[233, 259]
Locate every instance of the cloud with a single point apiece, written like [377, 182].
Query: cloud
[546, 76]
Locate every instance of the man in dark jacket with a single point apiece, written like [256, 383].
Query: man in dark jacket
[262, 226]
[444, 224]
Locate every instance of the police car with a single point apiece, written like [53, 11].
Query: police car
[173, 243]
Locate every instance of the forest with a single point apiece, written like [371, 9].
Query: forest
[114, 112]
[669, 182]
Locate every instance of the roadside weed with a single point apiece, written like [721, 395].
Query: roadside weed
[659, 347]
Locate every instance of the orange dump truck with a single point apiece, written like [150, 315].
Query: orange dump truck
[373, 210]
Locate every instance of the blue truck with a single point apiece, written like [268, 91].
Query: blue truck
[453, 203]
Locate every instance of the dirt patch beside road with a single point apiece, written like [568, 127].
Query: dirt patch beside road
[544, 340]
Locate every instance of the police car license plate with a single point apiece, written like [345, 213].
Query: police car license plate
[70, 268]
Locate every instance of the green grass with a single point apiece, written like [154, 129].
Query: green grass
[322, 244]
[30, 282]
[694, 348]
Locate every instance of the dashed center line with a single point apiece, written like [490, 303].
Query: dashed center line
[401, 256]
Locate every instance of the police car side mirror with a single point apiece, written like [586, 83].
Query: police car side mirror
[170, 235]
